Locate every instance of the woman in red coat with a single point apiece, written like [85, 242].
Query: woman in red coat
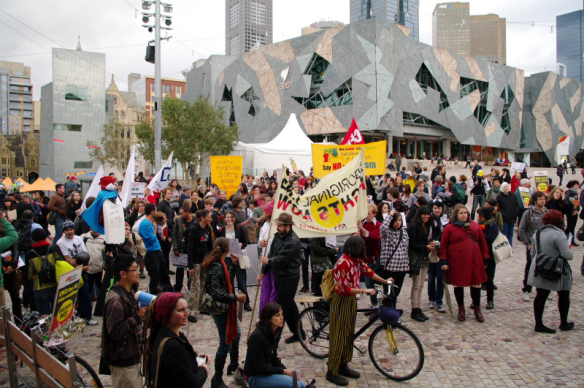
[463, 252]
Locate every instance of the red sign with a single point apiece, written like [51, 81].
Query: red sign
[353, 136]
[59, 140]
[92, 146]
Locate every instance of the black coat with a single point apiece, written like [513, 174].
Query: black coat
[178, 363]
[284, 259]
[240, 234]
[216, 285]
[262, 355]
[508, 206]
[200, 242]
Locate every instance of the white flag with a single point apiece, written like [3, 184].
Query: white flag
[160, 180]
[94, 189]
[129, 178]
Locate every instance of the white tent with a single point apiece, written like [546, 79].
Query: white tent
[291, 142]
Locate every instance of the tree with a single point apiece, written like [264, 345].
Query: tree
[193, 131]
[114, 146]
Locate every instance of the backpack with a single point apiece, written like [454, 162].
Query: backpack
[546, 266]
[24, 241]
[47, 272]
[459, 193]
[328, 284]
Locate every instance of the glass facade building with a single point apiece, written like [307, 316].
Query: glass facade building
[248, 24]
[570, 43]
[16, 113]
[404, 12]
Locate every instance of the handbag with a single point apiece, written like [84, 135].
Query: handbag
[212, 306]
[433, 257]
[244, 262]
[501, 248]
[415, 262]
[52, 218]
[548, 267]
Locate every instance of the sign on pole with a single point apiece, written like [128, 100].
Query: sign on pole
[517, 166]
[542, 181]
[226, 172]
[65, 297]
[328, 158]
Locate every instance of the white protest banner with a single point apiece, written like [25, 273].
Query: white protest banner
[125, 195]
[333, 207]
[517, 166]
[138, 189]
[160, 180]
[95, 188]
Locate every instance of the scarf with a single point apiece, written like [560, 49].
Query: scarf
[231, 333]
[461, 224]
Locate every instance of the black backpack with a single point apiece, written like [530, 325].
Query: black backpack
[546, 266]
[47, 272]
[24, 236]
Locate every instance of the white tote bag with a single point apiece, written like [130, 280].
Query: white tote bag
[501, 248]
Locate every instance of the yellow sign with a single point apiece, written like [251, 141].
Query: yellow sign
[329, 158]
[542, 181]
[525, 196]
[226, 172]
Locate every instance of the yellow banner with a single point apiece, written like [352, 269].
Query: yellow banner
[329, 158]
[333, 207]
[226, 172]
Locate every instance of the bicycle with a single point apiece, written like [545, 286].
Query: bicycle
[33, 324]
[394, 349]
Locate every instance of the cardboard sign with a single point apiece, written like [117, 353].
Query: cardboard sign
[65, 297]
[114, 222]
[517, 166]
[525, 196]
[182, 260]
[328, 158]
[542, 181]
[138, 189]
[226, 172]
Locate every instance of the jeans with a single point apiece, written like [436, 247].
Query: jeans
[241, 276]
[478, 201]
[370, 283]
[491, 267]
[84, 300]
[94, 279]
[58, 229]
[435, 283]
[286, 290]
[179, 279]
[571, 221]
[45, 299]
[221, 323]
[305, 283]
[156, 266]
[273, 381]
[508, 231]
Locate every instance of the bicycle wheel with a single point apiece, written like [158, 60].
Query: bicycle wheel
[86, 374]
[396, 352]
[315, 324]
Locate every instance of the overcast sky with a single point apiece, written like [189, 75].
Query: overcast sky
[30, 28]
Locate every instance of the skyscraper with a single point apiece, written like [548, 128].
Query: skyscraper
[479, 36]
[248, 24]
[570, 43]
[404, 12]
[15, 98]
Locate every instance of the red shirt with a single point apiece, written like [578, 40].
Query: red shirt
[348, 272]
[373, 241]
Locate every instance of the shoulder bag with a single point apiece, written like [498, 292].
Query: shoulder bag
[501, 248]
[212, 306]
[546, 266]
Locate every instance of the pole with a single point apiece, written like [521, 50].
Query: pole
[157, 91]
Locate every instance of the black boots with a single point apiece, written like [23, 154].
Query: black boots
[217, 380]
[233, 358]
[418, 315]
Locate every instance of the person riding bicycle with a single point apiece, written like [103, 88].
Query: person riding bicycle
[343, 308]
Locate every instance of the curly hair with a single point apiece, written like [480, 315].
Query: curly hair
[555, 218]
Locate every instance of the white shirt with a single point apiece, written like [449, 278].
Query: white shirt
[264, 234]
[71, 247]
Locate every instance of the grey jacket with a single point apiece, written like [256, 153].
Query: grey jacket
[530, 223]
[554, 243]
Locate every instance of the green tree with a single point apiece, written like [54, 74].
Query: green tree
[193, 131]
[114, 145]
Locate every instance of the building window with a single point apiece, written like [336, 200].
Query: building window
[234, 15]
[5, 172]
[123, 115]
[258, 13]
[6, 161]
[67, 127]
[117, 115]
[234, 45]
[76, 93]
[165, 89]
[178, 90]
[152, 87]
[19, 173]
[32, 162]
[128, 133]
[83, 164]
[426, 80]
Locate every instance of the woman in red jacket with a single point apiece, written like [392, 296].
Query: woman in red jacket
[463, 252]
[369, 231]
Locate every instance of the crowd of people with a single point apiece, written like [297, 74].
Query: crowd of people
[423, 224]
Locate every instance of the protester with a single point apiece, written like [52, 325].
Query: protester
[135, 245]
[369, 230]
[262, 366]
[572, 204]
[9, 242]
[421, 244]
[182, 223]
[199, 244]
[479, 189]
[394, 257]
[74, 206]
[57, 205]
[95, 245]
[122, 326]
[44, 291]
[219, 284]
[164, 236]
[197, 202]
[531, 221]
[268, 287]
[343, 308]
[169, 359]
[439, 220]
[551, 241]
[555, 200]
[508, 206]
[137, 213]
[490, 231]
[154, 259]
[43, 203]
[495, 189]
[463, 252]
[497, 216]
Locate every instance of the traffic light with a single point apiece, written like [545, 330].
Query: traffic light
[150, 54]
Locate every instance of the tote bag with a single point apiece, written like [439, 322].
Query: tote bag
[501, 248]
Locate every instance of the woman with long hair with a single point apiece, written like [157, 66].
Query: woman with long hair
[395, 243]
[197, 202]
[174, 201]
[164, 238]
[551, 240]
[406, 195]
[7, 207]
[382, 211]
[464, 254]
[509, 209]
[255, 194]
[219, 285]
[243, 191]
[273, 186]
[421, 244]
[262, 366]
[73, 205]
[343, 308]
[177, 366]
[555, 200]
[138, 211]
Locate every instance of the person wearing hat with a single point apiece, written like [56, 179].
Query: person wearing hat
[70, 184]
[169, 359]
[186, 194]
[284, 260]
[410, 180]
[479, 189]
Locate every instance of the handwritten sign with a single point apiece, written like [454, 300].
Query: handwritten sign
[138, 189]
[226, 172]
[328, 158]
[517, 166]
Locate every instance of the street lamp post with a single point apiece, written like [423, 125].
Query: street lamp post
[158, 16]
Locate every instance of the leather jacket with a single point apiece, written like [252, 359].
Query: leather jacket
[284, 259]
[216, 285]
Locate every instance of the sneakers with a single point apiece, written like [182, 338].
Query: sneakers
[526, 297]
[337, 380]
[92, 322]
[431, 305]
[441, 308]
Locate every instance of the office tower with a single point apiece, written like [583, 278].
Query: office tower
[570, 44]
[488, 38]
[15, 98]
[404, 12]
[248, 25]
[451, 27]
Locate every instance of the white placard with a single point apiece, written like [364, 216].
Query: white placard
[331, 241]
[251, 251]
[114, 222]
[138, 189]
[517, 166]
[234, 247]
[182, 260]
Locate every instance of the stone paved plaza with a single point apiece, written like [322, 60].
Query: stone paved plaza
[502, 351]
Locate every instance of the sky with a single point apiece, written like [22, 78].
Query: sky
[31, 28]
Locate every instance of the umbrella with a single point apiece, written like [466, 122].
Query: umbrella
[448, 299]
[38, 185]
[7, 182]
